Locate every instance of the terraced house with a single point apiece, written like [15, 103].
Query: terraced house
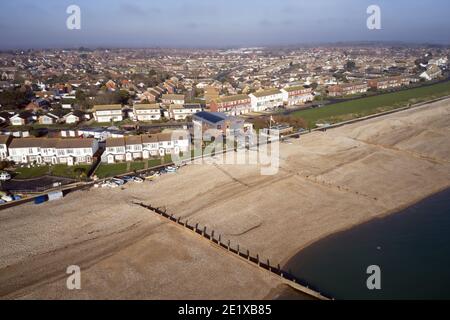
[232, 105]
[298, 95]
[147, 112]
[388, 83]
[172, 99]
[346, 89]
[266, 99]
[133, 148]
[108, 113]
[181, 112]
[52, 150]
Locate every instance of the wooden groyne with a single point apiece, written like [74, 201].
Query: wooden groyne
[240, 252]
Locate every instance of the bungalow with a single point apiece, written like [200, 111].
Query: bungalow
[297, 95]
[172, 99]
[22, 119]
[53, 150]
[76, 117]
[108, 113]
[266, 99]
[147, 112]
[48, 119]
[4, 144]
[5, 116]
[232, 105]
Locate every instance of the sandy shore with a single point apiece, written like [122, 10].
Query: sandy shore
[327, 182]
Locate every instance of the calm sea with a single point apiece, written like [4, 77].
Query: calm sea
[412, 249]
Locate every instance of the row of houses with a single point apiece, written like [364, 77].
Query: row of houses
[131, 148]
[71, 151]
[49, 118]
[145, 112]
[262, 100]
[345, 89]
[74, 151]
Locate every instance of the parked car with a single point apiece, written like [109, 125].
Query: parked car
[171, 169]
[7, 198]
[5, 176]
[138, 180]
[127, 178]
[118, 181]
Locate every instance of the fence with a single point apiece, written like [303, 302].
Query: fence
[239, 251]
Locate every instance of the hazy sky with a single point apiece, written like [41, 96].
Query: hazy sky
[218, 23]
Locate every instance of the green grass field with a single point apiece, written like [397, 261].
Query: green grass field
[348, 110]
[112, 170]
[59, 170]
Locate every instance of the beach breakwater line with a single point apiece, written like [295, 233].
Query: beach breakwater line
[238, 251]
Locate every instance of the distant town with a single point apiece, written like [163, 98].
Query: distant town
[92, 108]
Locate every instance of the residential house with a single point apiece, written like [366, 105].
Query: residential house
[108, 113]
[345, 89]
[232, 105]
[181, 112]
[76, 117]
[53, 150]
[172, 99]
[4, 145]
[5, 116]
[22, 118]
[150, 96]
[132, 148]
[147, 112]
[48, 119]
[218, 121]
[297, 95]
[266, 99]
[388, 83]
[211, 94]
[432, 72]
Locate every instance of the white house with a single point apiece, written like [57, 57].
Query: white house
[432, 72]
[48, 119]
[108, 113]
[17, 120]
[266, 99]
[147, 112]
[132, 148]
[172, 99]
[4, 144]
[181, 112]
[53, 150]
[76, 117]
[297, 95]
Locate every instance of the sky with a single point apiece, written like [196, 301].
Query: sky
[218, 23]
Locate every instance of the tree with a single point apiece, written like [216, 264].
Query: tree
[350, 65]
